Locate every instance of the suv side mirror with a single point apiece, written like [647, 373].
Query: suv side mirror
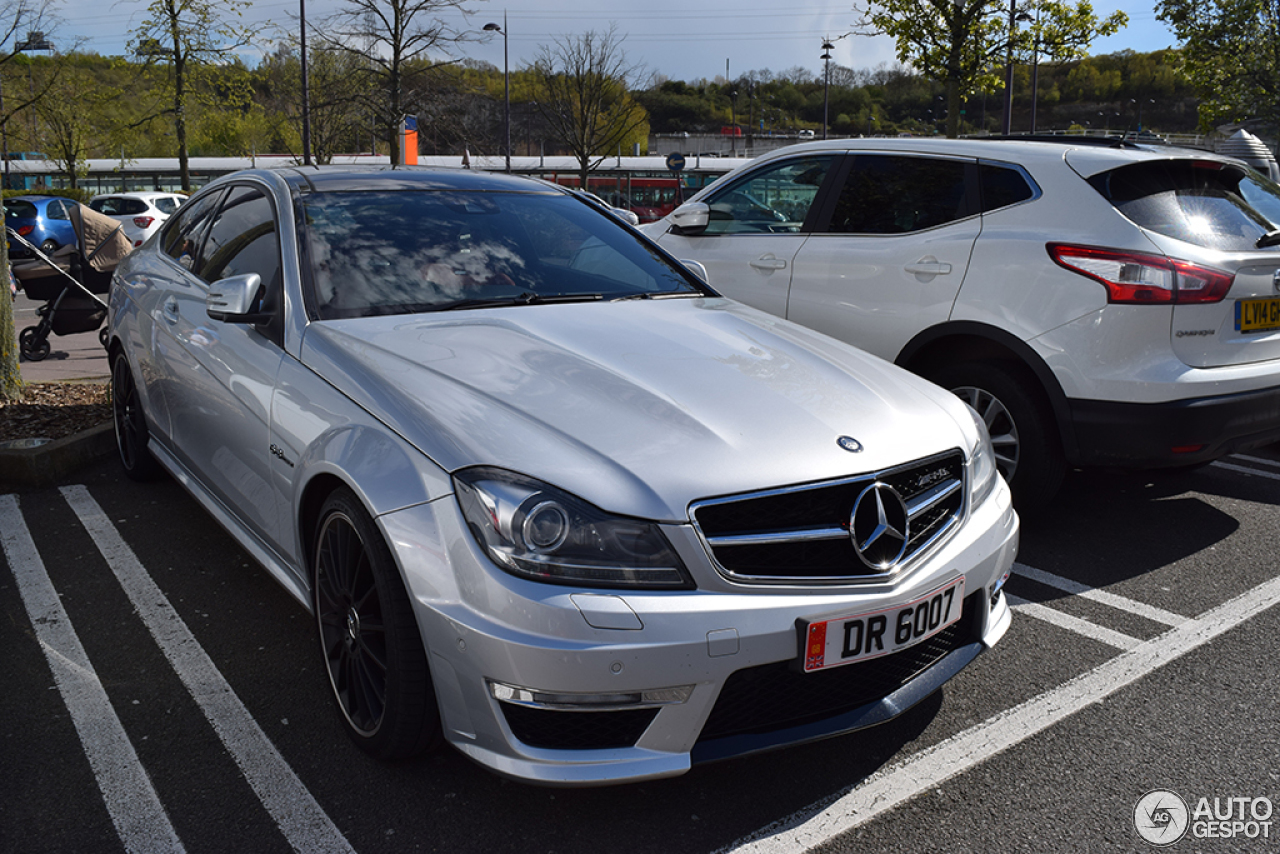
[233, 299]
[690, 218]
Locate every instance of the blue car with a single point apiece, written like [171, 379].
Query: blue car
[44, 221]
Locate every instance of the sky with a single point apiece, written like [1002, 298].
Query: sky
[681, 41]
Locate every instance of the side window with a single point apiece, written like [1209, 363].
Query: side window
[1002, 186]
[166, 206]
[896, 194]
[57, 210]
[776, 198]
[242, 239]
[184, 233]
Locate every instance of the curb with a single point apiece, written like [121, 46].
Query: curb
[47, 464]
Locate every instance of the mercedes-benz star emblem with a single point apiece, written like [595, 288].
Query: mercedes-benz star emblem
[879, 526]
[850, 444]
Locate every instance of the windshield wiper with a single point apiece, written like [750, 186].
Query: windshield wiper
[1271, 238]
[526, 298]
[659, 295]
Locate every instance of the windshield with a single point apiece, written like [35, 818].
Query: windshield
[399, 252]
[1200, 202]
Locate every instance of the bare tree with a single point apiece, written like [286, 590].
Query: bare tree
[189, 36]
[395, 38]
[582, 88]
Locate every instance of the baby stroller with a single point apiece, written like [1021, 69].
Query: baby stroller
[71, 281]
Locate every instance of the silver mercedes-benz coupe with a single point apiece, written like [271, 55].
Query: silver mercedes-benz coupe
[550, 498]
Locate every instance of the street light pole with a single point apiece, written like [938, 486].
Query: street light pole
[306, 88]
[827, 47]
[506, 85]
[1008, 70]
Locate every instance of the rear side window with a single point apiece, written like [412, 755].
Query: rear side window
[1003, 186]
[166, 206]
[1196, 201]
[895, 194]
[56, 210]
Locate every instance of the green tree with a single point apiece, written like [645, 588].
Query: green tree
[582, 88]
[192, 38]
[1231, 52]
[962, 44]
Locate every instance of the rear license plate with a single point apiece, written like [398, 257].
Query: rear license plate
[1258, 315]
[846, 640]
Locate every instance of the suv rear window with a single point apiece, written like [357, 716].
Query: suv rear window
[1197, 201]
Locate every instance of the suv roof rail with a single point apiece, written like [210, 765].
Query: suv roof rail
[1070, 139]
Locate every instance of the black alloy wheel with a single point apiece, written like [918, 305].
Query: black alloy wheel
[373, 653]
[130, 423]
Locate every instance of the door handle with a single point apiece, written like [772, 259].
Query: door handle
[171, 312]
[768, 262]
[928, 266]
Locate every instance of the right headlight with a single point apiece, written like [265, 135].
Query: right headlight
[982, 462]
[536, 531]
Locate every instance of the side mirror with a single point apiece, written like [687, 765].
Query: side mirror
[697, 269]
[234, 298]
[690, 218]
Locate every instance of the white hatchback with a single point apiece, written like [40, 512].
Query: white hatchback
[1098, 302]
[142, 213]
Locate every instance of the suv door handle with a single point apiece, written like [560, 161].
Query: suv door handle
[769, 262]
[928, 266]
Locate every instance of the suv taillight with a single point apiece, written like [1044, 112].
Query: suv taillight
[143, 221]
[1136, 279]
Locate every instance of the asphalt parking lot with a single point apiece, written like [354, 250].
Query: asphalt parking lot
[163, 694]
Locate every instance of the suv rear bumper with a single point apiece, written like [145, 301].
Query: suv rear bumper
[1182, 432]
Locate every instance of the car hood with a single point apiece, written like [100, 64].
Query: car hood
[639, 407]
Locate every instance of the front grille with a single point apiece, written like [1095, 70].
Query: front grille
[801, 534]
[776, 696]
[575, 730]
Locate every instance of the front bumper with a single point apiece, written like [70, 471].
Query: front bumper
[716, 650]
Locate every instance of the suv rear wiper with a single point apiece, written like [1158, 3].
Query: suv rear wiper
[1271, 238]
[526, 298]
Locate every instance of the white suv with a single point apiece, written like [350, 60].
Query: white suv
[1097, 304]
[141, 213]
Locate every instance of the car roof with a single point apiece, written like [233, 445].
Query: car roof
[139, 194]
[1084, 153]
[345, 178]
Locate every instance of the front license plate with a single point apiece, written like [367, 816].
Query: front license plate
[845, 640]
[1258, 315]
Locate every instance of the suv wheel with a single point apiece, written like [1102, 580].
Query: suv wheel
[1023, 433]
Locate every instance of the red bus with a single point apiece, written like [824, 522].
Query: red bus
[650, 198]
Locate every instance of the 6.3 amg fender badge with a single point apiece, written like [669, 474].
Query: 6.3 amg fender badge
[850, 444]
[879, 526]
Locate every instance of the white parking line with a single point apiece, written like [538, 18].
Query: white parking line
[131, 800]
[1246, 470]
[302, 821]
[1074, 624]
[1262, 461]
[930, 768]
[1158, 615]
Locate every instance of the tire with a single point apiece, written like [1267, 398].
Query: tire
[131, 424]
[49, 246]
[1023, 432]
[369, 640]
[29, 348]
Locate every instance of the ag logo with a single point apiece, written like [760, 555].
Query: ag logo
[1160, 817]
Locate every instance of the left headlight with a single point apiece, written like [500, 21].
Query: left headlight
[535, 531]
[982, 462]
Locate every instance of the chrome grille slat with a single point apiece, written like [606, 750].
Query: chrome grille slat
[800, 534]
